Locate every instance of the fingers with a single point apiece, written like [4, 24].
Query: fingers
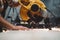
[21, 28]
[24, 28]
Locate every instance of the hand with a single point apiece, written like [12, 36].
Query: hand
[20, 28]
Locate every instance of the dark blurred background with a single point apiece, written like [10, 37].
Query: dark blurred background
[54, 7]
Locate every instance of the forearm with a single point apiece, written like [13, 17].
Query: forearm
[5, 23]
